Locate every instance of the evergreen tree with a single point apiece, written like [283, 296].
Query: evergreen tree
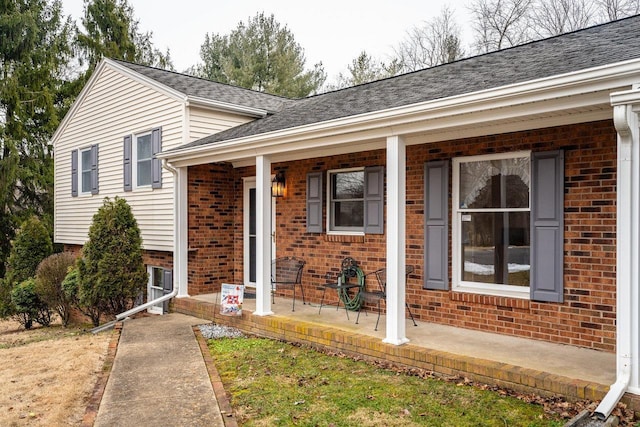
[111, 272]
[260, 55]
[112, 31]
[34, 50]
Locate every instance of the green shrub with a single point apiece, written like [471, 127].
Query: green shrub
[28, 306]
[7, 308]
[71, 291]
[31, 245]
[111, 273]
[49, 276]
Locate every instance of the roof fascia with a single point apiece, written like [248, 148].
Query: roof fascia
[194, 101]
[548, 89]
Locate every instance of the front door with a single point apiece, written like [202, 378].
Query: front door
[250, 237]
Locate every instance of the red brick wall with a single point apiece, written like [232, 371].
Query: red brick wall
[155, 258]
[212, 192]
[586, 318]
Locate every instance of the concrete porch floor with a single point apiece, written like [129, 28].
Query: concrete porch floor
[560, 359]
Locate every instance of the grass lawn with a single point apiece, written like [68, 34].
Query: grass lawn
[276, 383]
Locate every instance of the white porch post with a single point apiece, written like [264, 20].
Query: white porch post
[181, 232]
[396, 220]
[263, 236]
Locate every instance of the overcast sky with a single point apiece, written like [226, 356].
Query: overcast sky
[331, 31]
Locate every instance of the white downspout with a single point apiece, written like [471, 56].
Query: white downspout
[626, 253]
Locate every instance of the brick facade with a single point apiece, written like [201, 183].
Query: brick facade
[154, 258]
[586, 318]
[212, 192]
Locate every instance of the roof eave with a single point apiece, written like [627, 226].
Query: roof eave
[196, 101]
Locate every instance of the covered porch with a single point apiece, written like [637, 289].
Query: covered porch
[520, 364]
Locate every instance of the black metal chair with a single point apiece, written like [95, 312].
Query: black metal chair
[286, 272]
[349, 278]
[380, 294]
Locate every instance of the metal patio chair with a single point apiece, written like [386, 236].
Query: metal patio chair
[286, 272]
[380, 294]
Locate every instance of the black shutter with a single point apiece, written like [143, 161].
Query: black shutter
[547, 226]
[374, 200]
[127, 166]
[167, 287]
[314, 202]
[156, 164]
[74, 173]
[436, 229]
[94, 169]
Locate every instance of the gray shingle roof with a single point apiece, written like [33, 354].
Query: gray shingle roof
[194, 86]
[600, 45]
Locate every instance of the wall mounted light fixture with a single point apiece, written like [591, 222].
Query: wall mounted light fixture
[278, 185]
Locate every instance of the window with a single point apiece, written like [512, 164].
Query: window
[143, 154]
[85, 171]
[492, 224]
[140, 166]
[346, 200]
[160, 283]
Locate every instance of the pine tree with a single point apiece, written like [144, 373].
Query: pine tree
[260, 55]
[34, 51]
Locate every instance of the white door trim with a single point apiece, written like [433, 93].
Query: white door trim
[248, 184]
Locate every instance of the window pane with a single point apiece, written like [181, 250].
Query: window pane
[144, 147]
[86, 161]
[496, 247]
[144, 172]
[348, 185]
[502, 183]
[348, 214]
[86, 181]
[158, 277]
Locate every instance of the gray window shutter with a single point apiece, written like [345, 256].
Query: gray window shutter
[547, 226]
[374, 200]
[94, 169]
[436, 220]
[127, 166]
[156, 164]
[168, 287]
[74, 173]
[314, 202]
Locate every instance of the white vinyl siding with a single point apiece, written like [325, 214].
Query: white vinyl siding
[115, 106]
[204, 122]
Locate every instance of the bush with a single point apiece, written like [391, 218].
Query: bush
[7, 308]
[49, 276]
[111, 273]
[71, 291]
[28, 306]
[31, 246]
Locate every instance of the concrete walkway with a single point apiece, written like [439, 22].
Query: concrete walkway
[159, 377]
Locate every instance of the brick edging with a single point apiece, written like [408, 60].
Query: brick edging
[91, 411]
[226, 410]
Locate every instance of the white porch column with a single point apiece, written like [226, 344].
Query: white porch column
[181, 232]
[263, 236]
[626, 108]
[396, 224]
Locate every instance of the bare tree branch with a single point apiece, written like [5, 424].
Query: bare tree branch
[436, 42]
[500, 23]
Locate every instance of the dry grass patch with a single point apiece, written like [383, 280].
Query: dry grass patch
[47, 374]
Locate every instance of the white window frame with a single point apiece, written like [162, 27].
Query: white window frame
[459, 285]
[134, 161]
[81, 171]
[353, 231]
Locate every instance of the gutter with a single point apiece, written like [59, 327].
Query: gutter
[626, 125]
[176, 264]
